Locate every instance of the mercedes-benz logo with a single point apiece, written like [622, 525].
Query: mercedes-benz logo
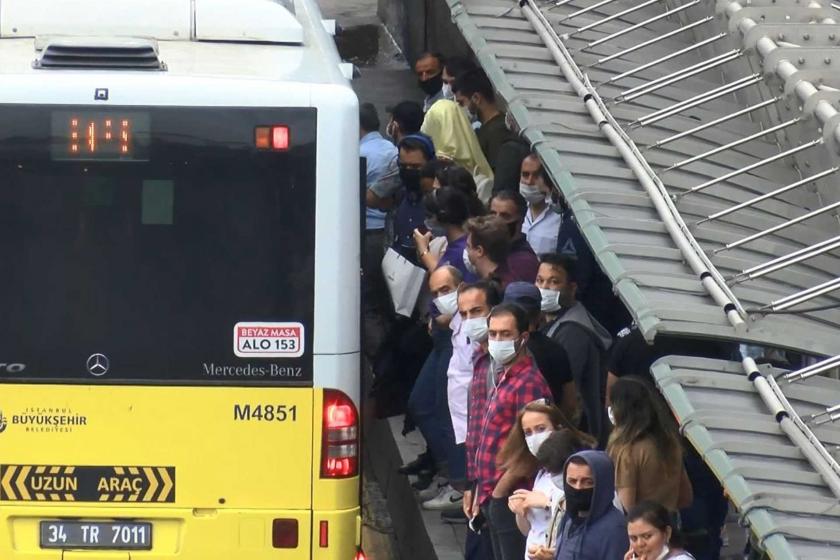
[98, 364]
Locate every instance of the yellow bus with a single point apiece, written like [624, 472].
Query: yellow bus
[179, 228]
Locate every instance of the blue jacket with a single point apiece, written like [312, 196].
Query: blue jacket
[603, 534]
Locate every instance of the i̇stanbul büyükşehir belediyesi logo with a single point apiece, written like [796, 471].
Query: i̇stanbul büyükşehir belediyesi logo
[36, 419]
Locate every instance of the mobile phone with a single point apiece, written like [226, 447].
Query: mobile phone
[423, 229]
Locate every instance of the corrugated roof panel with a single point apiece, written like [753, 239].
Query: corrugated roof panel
[729, 107]
[768, 478]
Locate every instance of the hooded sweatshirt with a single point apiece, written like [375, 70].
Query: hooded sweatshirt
[602, 535]
[586, 342]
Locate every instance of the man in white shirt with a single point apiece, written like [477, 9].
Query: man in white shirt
[542, 223]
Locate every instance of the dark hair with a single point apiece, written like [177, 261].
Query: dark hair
[458, 65]
[658, 516]
[436, 55]
[368, 117]
[492, 291]
[434, 168]
[515, 197]
[578, 460]
[448, 206]
[409, 115]
[559, 446]
[640, 415]
[491, 234]
[519, 314]
[475, 81]
[418, 142]
[567, 264]
[462, 180]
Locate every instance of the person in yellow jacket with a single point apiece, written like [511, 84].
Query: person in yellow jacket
[455, 139]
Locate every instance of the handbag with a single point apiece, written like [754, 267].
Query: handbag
[404, 280]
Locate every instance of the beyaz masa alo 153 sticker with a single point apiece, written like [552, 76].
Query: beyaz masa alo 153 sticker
[268, 340]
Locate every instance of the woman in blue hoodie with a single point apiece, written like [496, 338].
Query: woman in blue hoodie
[592, 528]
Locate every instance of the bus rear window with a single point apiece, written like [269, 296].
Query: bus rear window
[193, 266]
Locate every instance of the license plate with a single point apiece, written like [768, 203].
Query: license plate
[120, 535]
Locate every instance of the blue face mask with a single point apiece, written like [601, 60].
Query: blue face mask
[433, 226]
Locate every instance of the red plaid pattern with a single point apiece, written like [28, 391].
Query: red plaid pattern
[491, 416]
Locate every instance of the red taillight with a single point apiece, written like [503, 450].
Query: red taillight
[272, 138]
[280, 137]
[360, 555]
[284, 533]
[340, 447]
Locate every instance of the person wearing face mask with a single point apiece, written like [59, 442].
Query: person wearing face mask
[427, 401]
[536, 422]
[522, 263]
[567, 322]
[447, 211]
[469, 331]
[405, 118]
[542, 223]
[453, 67]
[505, 379]
[503, 148]
[415, 150]
[428, 70]
[651, 533]
[591, 528]
[551, 358]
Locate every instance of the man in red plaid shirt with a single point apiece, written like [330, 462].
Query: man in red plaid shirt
[505, 379]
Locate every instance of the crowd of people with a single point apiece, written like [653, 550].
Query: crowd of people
[545, 434]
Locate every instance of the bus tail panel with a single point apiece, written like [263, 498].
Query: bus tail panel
[196, 447]
[192, 534]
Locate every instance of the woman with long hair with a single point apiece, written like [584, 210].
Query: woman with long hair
[651, 532]
[536, 422]
[645, 448]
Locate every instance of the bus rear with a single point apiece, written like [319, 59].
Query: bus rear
[179, 350]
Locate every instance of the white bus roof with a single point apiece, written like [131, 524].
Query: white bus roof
[282, 40]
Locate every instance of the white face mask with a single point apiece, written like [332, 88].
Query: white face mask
[472, 117]
[534, 441]
[447, 92]
[468, 263]
[531, 193]
[550, 300]
[610, 415]
[502, 351]
[476, 329]
[447, 304]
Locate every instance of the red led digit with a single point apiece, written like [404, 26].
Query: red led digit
[91, 141]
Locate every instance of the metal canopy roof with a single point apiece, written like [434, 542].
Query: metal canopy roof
[697, 144]
[785, 502]
[670, 127]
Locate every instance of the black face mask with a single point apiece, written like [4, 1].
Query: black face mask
[432, 85]
[578, 501]
[410, 178]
